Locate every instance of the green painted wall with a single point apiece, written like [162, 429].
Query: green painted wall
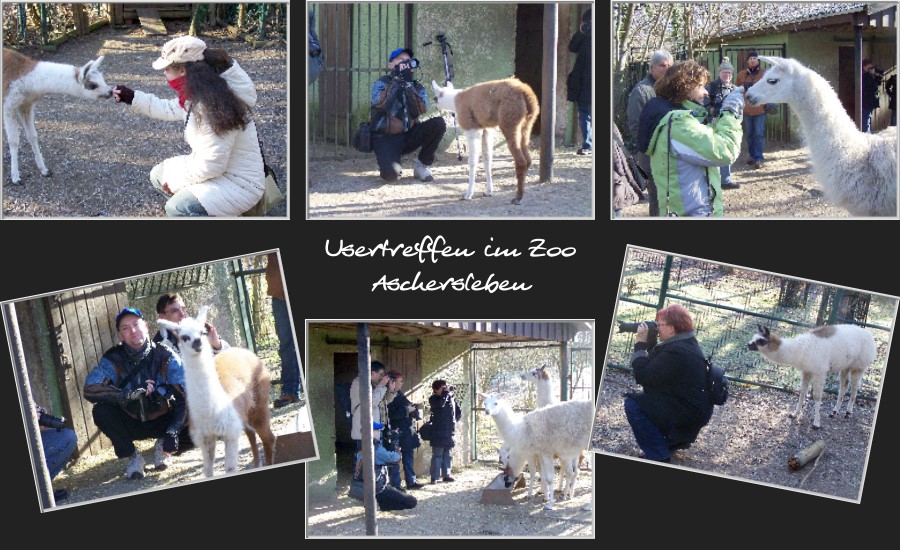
[440, 359]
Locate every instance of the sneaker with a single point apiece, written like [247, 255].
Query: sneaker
[161, 459]
[751, 162]
[730, 185]
[448, 479]
[285, 400]
[583, 152]
[758, 164]
[135, 468]
[422, 173]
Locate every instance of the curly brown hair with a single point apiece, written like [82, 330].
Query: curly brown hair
[222, 110]
[680, 79]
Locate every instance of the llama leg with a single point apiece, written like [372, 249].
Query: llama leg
[474, 139]
[513, 141]
[31, 136]
[844, 375]
[231, 454]
[855, 381]
[801, 399]
[571, 476]
[547, 481]
[488, 161]
[818, 385]
[11, 125]
[208, 450]
[251, 437]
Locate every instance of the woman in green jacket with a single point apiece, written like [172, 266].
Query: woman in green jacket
[685, 154]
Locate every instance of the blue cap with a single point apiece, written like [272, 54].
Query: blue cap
[127, 311]
[377, 426]
[397, 52]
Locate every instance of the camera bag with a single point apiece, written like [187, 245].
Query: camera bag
[362, 139]
[425, 430]
[717, 384]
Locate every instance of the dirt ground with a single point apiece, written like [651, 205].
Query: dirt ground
[783, 188]
[346, 184]
[751, 438]
[102, 476]
[454, 509]
[101, 154]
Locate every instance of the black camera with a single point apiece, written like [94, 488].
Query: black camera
[50, 421]
[652, 330]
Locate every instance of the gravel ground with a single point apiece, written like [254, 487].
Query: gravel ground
[783, 188]
[101, 154]
[346, 184]
[102, 476]
[454, 509]
[752, 437]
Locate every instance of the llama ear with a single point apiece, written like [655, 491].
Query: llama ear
[543, 368]
[760, 327]
[201, 315]
[766, 332]
[165, 324]
[98, 61]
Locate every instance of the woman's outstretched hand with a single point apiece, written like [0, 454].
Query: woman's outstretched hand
[123, 94]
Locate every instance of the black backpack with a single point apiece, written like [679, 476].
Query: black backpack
[362, 139]
[716, 383]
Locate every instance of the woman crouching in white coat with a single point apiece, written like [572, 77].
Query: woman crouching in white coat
[223, 175]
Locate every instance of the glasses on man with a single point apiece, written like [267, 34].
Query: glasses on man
[176, 310]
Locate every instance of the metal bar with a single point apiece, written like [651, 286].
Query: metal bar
[548, 93]
[365, 407]
[835, 305]
[563, 371]
[243, 299]
[664, 285]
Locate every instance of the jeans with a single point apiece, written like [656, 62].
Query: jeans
[893, 117]
[867, 120]
[755, 129]
[58, 447]
[584, 122]
[123, 430]
[649, 438]
[389, 148]
[315, 67]
[407, 454]
[290, 366]
[725, 173]
[184, 203]
[441, 461]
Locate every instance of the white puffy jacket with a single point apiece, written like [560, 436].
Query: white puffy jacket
[225, 173]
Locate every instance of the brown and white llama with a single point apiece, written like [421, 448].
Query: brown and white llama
[25, 81]
[226, 395]
[509, 104]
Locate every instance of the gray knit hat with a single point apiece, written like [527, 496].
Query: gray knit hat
[726, 65]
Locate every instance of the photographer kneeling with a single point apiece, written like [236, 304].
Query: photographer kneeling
[674, 406]
[397, 103]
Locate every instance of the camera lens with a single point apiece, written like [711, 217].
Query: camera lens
[413, 63]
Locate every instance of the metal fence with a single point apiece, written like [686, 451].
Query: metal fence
[728, 303]
[255, 307]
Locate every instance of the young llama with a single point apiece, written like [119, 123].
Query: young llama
[510, 104]
[858, 171]
[27, 80]
[226, 395]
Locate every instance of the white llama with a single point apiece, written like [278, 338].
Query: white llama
[563, 429]
[27, 80]
[226, 395]
[510, 104]
[857, 171]
[845, 349]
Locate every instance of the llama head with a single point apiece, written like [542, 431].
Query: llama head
[537, 374]
[89, 77]
[760, 340]
[777, 84]
[191, 333]
[445, 97]
[494, 403]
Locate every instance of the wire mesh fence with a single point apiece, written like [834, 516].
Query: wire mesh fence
[728, 303]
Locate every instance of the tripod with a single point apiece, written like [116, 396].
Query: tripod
[448, 71]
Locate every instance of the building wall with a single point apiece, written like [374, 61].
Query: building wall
[445, 359]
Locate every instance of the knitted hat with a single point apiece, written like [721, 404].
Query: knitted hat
[752, 54]
[180, 50]
[726, 65]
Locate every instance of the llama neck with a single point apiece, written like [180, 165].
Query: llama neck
[544, 392]
[507, 422]
[54, 78]
[202, 382]
[826, 126]
[786, 351]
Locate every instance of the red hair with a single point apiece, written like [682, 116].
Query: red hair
[677, 316]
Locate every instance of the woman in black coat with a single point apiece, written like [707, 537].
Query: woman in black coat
[445, 413]
[675, 404]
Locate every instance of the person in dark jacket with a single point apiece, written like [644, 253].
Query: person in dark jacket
[675, 405]
[315, 50]
[580, 84]
[445, 413]
[890, 88]
[870, 101]
[402, 412]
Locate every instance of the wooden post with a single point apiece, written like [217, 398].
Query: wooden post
[803, 457]
[263, 15]
[365, 408]
[548, 92]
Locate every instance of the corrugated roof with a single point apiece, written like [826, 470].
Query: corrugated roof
[472, 331]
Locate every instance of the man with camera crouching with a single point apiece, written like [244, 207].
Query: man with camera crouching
[674, 404]
[401, 413]
[445, 414]
[58, 444]
[397, 103]
[138, 393]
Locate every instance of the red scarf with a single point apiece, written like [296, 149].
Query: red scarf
[177, 84]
